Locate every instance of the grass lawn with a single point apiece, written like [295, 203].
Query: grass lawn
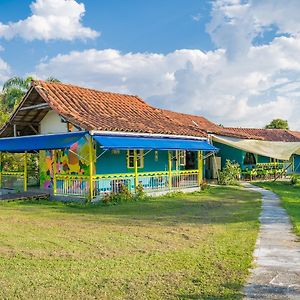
[290, 196]
[196, 246]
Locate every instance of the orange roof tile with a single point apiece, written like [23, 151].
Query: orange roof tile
[97, 110]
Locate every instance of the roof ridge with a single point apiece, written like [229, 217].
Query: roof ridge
[37, 81]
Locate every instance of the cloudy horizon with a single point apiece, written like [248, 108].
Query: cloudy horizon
[231, 61]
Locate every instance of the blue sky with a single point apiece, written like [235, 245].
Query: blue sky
[229, 60]
[129, 26]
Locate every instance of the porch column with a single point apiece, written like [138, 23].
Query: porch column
[91, 159]
[200, 168]
[54, 171]
[0, 170]
[136, 178]
[170, 169]
[25, 171]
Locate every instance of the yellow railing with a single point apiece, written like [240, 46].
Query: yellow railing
[78, 185]
[12, 180]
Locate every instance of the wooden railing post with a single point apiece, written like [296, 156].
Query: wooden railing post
[170, 169]
[25, 171]
[136, 178]
[200, 168]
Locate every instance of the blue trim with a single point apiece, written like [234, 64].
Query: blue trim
[150, 143]
[40, 142]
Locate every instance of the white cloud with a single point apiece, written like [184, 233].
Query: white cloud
[50, 19]
[239, 84]
[249, 92]
[196, 17]
[4, 72]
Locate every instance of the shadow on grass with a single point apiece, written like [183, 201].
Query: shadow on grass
[217, 205]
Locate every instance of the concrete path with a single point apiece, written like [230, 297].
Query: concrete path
[276, 273]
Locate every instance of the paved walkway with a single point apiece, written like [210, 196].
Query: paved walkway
[277, 255]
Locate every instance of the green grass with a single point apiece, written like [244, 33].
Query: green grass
[290, 196]
[196, 246]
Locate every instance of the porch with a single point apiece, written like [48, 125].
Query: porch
[95, 180]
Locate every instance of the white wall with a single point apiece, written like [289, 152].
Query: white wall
[52, 124]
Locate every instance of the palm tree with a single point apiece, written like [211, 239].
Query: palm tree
[14, 90]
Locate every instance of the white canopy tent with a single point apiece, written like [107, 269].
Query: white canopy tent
[277, 150]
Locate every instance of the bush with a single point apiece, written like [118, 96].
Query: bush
[294, 180]
[204, 186]
[230, 174]
[124, 195]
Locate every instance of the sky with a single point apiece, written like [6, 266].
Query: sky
[235, 62]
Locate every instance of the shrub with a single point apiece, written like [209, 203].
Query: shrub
[204, 186]
[230, 174]
[294, 180]
[124, 195]
[140, 193]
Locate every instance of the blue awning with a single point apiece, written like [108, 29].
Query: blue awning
[150, 143]
[40, 142]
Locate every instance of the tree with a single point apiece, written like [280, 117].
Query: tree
[278, 124]
[14, 90]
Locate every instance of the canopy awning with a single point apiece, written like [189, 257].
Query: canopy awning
[277, 150]
[40, 142]
[151, 143]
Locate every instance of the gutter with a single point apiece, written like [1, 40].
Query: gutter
[96, 132]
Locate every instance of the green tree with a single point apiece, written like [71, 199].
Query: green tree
[14, 90]
[278, 124]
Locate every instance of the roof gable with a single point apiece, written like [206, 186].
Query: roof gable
[104, 111]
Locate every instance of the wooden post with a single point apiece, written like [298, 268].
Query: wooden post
[170, 169]
[0, 170]
[25, 171]
[54, 159]
[91, 159]
[136, 176]
[200, 168]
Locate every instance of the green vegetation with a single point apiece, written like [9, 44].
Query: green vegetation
[230, 173]
[278, 124]
[196, 246]
[12, 93]
[290, 196]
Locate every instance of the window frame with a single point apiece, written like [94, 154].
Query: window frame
[140, 158]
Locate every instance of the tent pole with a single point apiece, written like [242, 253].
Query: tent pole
[91, 168]
[200, 168]
[136, 178]
[170, 169]
[25, 172]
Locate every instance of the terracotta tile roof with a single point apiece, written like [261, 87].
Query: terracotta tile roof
[200, 123]
[96, 110]
[275, 135]
[295, 133]
[192, 121]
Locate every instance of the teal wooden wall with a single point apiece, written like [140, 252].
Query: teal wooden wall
[297, 164]
[110, 163]
[229, 153]
[233, 154]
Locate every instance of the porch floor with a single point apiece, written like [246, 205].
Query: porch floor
[30, 195]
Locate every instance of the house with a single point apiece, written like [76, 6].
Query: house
[249, 147]
[91, 142]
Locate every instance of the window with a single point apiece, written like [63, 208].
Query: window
[249, 159]
[130, 159]
[181, 157]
